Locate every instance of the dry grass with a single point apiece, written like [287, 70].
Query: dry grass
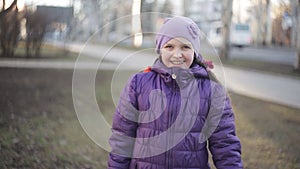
[39, 128]
[268, 132]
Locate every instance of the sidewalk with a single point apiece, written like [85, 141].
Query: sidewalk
[279, 89]
[283, 90]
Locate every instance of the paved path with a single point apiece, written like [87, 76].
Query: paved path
[279, 89]
[277, 55]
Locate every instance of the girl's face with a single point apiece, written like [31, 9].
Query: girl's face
[177, 52]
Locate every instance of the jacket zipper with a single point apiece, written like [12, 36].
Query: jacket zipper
[168, 138]
[170, 119]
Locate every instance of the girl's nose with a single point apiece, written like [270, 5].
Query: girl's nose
[178, 53]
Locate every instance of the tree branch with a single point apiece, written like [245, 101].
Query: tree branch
[13, 4]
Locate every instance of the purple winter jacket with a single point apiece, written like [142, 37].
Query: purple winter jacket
[168, 118]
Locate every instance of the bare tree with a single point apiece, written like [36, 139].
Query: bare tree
[36, 24]
[261, 15]
[107, 17]
[167, 7]
[9, 28]
[280, 29]
[3, 3]
[226, 18]
[297, 63]
[154, 15]
[11, 7]
[267, 24]
[294, 30]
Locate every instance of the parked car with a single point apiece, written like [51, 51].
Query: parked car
[240, 35]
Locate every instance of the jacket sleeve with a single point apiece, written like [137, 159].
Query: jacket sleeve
[224, 145]
[124, 128]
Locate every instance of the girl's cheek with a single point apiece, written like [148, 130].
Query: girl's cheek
[167, 53]
[187, 54]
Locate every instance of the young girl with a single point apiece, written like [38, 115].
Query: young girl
[171, 115]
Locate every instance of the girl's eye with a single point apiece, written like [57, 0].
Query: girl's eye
[186, 47]
[168, 46]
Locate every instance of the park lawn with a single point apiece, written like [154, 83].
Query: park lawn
[39, 127]
[48, 52]
[268, 133]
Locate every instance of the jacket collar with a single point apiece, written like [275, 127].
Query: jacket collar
[182, 76]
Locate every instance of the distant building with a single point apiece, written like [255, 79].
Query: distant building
[203, 12]
[57, 14]
[59, 19]
[90, 18]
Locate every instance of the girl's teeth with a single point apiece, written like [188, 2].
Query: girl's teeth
[177, 63]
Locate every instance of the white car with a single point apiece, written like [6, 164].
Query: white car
[240, 35]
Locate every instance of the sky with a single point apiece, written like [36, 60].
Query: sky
[39, 2]
[49, 2]
[68, 2]
[237, 6]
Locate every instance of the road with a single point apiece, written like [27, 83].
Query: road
[269, 54]
[276, 54]
[284, 90]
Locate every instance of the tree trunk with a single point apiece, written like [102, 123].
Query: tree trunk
[119, 23]
[226, 18]
[9, 26]
[106, 22]
[3, 3]
[10, 8]
[297, 62]
[268, 24]
[293, 6]
[154, 16]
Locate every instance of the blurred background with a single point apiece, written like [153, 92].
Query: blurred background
[251, 22]
[254, 43]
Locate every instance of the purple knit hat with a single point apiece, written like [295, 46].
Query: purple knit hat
[176, 27]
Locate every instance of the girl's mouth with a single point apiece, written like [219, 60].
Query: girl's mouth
[177, 62]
